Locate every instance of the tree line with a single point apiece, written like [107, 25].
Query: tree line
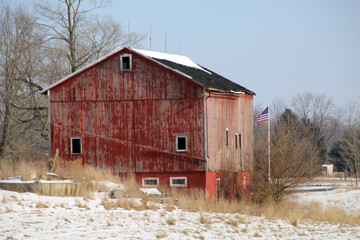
[306, 133]
[38, 46]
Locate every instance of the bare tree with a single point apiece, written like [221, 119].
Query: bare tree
[34, 53]
[302, 104]
[20, 103]
[349, 145]
[278, 106]
[317, 108]
[321, 111]
[350, 151]
[78, 36]
[294, 159]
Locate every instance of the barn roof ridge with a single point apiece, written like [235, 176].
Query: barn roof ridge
[177, 63]
[199, 74]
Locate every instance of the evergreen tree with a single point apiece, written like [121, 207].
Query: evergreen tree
[336, 159]
[314, 132]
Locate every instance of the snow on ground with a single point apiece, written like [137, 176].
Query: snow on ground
[346, 199]
[30, 216]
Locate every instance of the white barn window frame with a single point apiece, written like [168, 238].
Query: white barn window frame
[126, 62]
[150, 182]
[181, 143]
[178, 181]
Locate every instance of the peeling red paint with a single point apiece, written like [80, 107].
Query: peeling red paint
[128, 122]
[128, 119]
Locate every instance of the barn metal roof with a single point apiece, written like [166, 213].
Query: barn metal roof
[209, 79]
[179, 64]
[198, 73]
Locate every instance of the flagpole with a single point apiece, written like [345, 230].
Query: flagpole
[269, 141]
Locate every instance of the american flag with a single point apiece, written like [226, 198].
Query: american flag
[264, 116]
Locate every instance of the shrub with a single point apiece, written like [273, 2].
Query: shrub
[294, 159]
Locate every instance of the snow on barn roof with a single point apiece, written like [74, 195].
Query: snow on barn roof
[179, 59]
[198, 74]
[179, 64]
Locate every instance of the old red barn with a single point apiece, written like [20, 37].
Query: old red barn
[161, 116]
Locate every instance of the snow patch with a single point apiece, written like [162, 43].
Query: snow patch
[111, 185]
[179, 59]
[150, 191]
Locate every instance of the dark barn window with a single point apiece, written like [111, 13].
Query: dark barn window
[181, 143]
[239, 140]
[236, 141]
[126, 62]
[227, 137]
[76, 145]
[218, 186]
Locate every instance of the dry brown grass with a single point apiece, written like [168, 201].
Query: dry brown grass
[170, 207]
[132, 189]
[4, 200]
[41, 205]
[170, 221]
[161, 235]
[233, 222]
[295, 213]
[124, 203]
[128, 198]
[196, 201]
[193, 200]
[76, 170]
[93, 178]
[64, 169]
[204, 219]
[80, 204]
[10, 168]
[257, 235]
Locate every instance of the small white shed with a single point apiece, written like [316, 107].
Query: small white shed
[327, 169]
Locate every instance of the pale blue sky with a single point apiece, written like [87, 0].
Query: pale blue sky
[275, 48]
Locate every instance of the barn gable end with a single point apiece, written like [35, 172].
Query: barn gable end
[169, 122]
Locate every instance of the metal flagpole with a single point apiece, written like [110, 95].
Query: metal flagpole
[269, 140]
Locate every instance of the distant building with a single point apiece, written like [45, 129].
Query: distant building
[160, 116]
[327, 169]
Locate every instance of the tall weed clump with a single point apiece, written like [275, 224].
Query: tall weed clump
[77, 170]
[64, 169]
[12, 168]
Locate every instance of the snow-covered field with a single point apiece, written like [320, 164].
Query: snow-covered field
[30, 216]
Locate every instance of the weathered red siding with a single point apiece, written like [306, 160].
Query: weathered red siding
[231, 184]
[247, 133]
[128, 119]
[235, 114]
